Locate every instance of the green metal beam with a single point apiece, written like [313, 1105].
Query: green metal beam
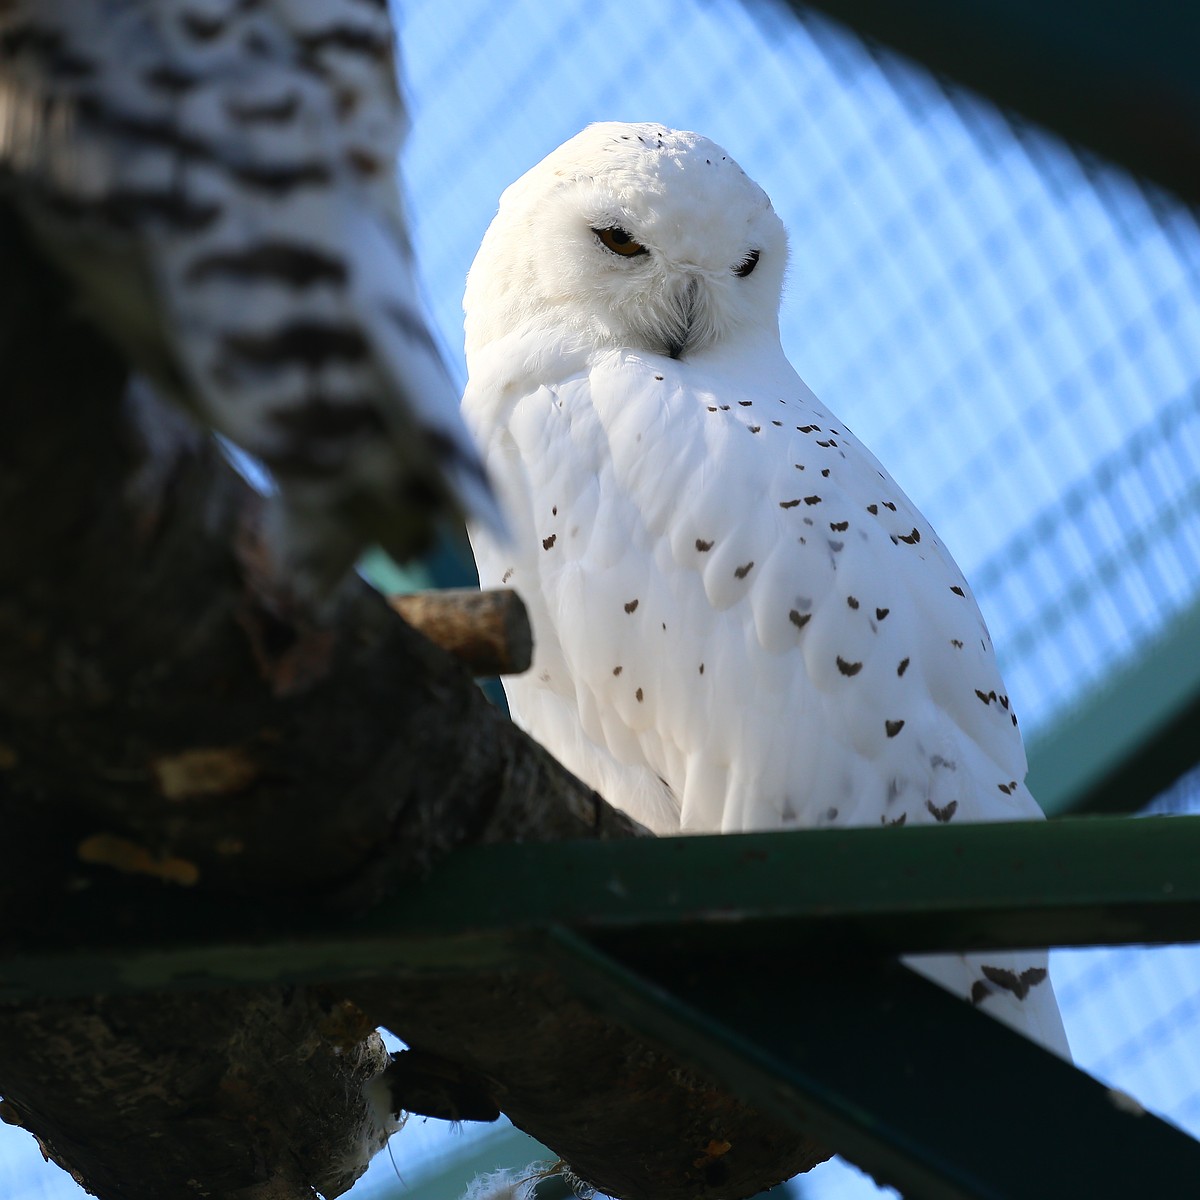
[1129, 740]
[1077, 882]
[1118, 76]
[908, 1082]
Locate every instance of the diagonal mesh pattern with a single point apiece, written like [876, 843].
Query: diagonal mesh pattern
[1012, 329]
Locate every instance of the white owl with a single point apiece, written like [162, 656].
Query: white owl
[740, 621]
[217, 179]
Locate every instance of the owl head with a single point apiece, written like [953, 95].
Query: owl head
[631, 236]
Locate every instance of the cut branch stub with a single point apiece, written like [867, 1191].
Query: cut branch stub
[488, 632]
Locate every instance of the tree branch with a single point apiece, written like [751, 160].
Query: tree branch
[171, 718]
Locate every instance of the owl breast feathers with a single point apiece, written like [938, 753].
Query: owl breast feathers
[740, 621]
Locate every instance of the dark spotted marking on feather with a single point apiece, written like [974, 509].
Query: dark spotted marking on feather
[618, 670]
[944, 763]
[852, 601]
[943, 815]
[825, 472]
[895, 820]
[703, 546]
[889, 504]
[1005, 788]
[173, 80]
[839, 526]
[778, 423]
[287, 262]
[364, 162]
[836, 546]
[986, 697]
[701, 668]
[979, 992]
[788, 503]
[798, 466]
[745, 403]
[1014, 718]
[848, 668]
[272, 112]
[831, 814]
[200, 27]
[639, 695]
[554, 510]
[754, 428]
[348, 39]
[911, 538]
[812, 499]
[799, 619]
[660, 379]
[957, 590]
[1003, 701]
[631, 606]
[547, 542]
[873, 509]
[880, 613]
[507, 575]
[956, 643]
[893, 727]
[277, 179]
[724, 407]
[712, 408]
[742, 572]
[1010, 981]
[902, 667]
[807, 428]
[322, 418]
[827, 444]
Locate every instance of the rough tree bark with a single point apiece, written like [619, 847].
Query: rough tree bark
[170, 719]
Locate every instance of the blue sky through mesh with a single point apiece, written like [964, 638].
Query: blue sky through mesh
[1013, 332]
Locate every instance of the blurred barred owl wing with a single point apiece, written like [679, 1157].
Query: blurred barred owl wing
[217, 178]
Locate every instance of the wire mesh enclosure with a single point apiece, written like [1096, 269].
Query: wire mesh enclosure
[1010, 325]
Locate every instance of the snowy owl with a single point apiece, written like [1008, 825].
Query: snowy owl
[740, 621]
[217, 179]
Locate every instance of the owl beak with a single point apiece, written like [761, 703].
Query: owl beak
[685, 304]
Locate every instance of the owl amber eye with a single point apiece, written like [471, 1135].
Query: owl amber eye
[746, 265]
[619, 242]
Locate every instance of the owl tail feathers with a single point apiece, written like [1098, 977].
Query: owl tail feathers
[1013, 988]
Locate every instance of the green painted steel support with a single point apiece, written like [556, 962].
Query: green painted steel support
[1130, 739]
[1118, 76]
[1082, 881]
[908, 1082]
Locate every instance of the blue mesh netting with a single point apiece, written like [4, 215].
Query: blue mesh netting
[1011, 329]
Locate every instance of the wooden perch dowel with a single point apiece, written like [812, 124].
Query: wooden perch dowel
[488, 632]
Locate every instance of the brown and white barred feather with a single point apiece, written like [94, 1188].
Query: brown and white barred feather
[218, 178]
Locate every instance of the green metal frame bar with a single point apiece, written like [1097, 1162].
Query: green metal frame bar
[908, 1082]
[1119, 77]
[765, 961]
[1084, 881]
[1132, 738]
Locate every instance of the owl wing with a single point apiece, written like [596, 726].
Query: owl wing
[218, 181]
[741, 622]
[731, 593]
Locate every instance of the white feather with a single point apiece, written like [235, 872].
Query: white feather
[740, 621]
